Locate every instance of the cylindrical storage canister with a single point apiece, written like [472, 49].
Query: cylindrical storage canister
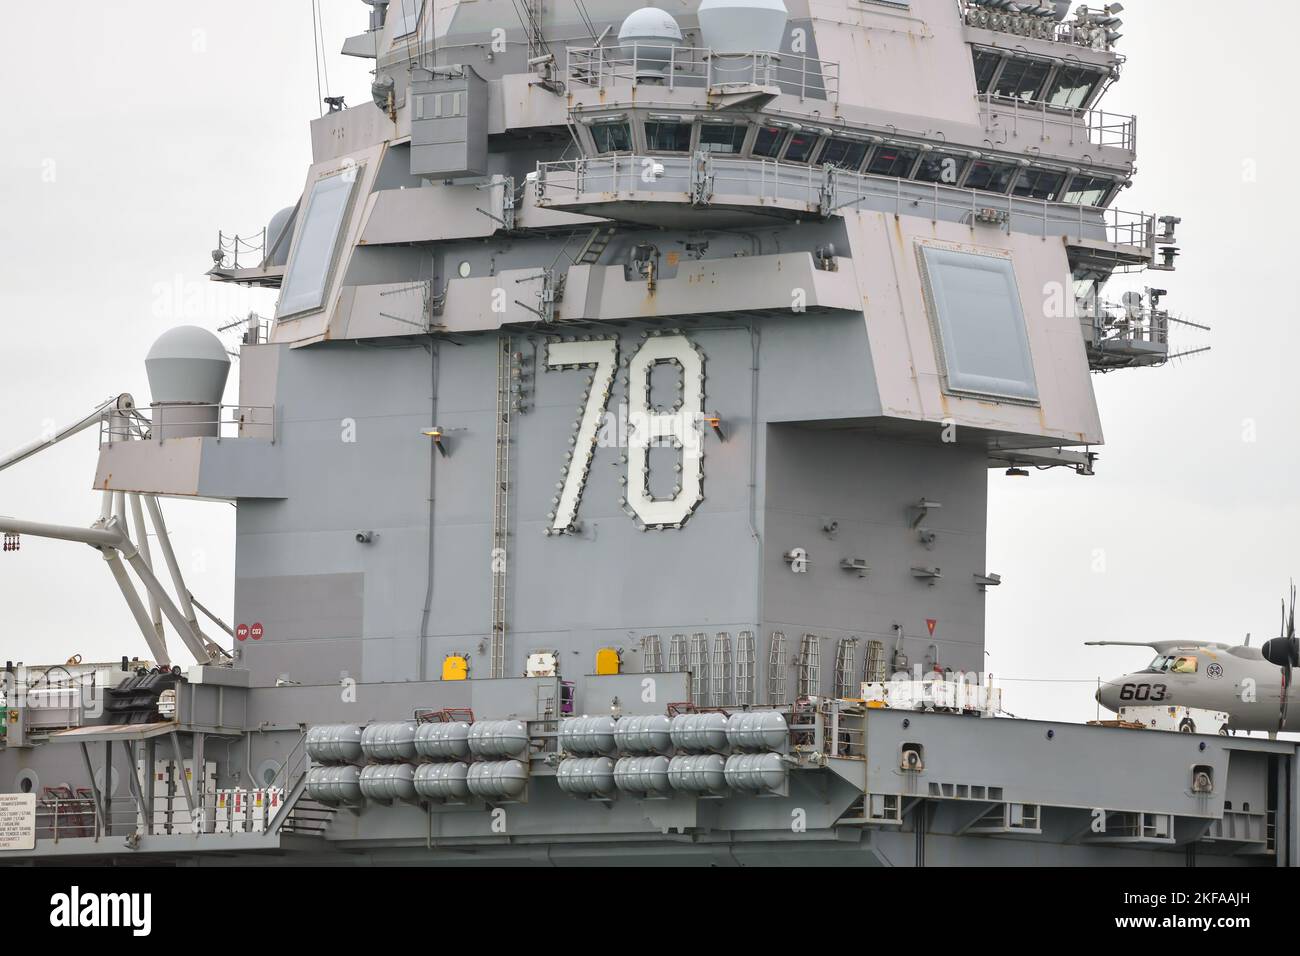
[761, 731]
[698, 773]
[442, 781]
[644, 734]
[443, 740]
[390, 741]
[499, 738]
[756, 773]
[592, 736]
[497, 778]
[335, 786]
[700, 733]
[334, 743]
[387, 782]
[643, 775]
[586, 776]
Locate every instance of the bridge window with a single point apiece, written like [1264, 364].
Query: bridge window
[612, 137]
[842, 153]
[941, 168]
[800, 147]
[1088, 190]
[1022, 79]
[1044, 184]
[725, 138]
[768, 141]
[1072, 87]
[990, 177]
[667, 137]
[986, 67]
[893, 161]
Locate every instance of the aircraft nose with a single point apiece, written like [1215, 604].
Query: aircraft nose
[1108, 696]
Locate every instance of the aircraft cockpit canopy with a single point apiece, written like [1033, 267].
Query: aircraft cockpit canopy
[1174, 664]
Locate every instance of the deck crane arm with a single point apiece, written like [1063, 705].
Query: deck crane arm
[123, 405]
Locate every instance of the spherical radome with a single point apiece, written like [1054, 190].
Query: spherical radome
[187, 364]
[647, 24]
[649, 36]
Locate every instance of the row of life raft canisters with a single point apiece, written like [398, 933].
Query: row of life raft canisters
[655, 756]
[452, 761]
[457, 760]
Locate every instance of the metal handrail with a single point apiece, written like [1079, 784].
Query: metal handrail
[764, 181]
[290, 768]
[1092, 127]
[223, 421]
[66, 818]
[673, 67]
[1144, 326]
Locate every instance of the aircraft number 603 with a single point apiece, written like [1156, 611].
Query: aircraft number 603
[1146, 692]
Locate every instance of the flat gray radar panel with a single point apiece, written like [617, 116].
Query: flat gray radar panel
[449, 128]
[313, 257]
[406, 14]
[975, 307]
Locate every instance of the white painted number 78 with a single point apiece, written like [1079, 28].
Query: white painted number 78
[648, 427]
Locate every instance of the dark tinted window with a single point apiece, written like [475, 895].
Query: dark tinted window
[991, 177]
[722, 138]
[768, 142]
[844, 153]
[668, 137]
[1022, 79]
[1039, 184]
[892, 161]
[612, 137]
[941, 168]
[800, 148]
[986, 64]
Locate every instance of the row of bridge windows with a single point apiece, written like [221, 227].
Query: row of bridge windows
[789, 144]
[1068, 86]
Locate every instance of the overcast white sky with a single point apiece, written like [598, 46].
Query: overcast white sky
[135, 130]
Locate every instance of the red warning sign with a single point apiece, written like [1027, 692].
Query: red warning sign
[930, 622]
[241, 632]
[256, 632]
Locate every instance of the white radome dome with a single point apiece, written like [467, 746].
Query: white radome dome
[650, 34]
[649, 24]
[187, 364]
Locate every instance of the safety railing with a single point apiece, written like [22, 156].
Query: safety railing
[708, 179]
[161, 422]
[230, 248]
[675, 67]
[1015, 117]
[1126, 339]
[75, 816]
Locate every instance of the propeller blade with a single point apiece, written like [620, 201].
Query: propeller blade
[1286, 686]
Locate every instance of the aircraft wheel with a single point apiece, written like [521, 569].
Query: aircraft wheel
[1187, 727]
[1223, 731]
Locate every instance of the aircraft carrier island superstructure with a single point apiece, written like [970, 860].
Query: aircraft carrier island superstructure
[624, 423]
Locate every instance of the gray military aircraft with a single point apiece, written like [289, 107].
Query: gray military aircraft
[1250, 684]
